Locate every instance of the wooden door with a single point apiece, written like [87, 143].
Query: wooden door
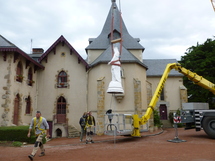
[163, 112]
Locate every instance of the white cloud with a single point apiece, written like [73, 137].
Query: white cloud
[166, 28]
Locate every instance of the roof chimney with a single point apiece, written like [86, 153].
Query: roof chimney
[37, 51]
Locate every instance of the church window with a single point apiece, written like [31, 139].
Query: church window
[62, 79]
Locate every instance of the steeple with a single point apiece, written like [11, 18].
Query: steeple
[114, 23]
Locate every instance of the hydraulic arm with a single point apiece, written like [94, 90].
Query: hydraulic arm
[199, 80]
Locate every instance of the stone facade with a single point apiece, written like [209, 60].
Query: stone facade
[62, 104]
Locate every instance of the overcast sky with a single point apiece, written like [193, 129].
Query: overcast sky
[166, 28]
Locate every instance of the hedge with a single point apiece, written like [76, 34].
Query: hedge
[17, 133]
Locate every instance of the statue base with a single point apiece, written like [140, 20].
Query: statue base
[115, 88]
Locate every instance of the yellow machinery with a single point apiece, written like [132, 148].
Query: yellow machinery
[207, 120]
[199, 80]
[126, 124]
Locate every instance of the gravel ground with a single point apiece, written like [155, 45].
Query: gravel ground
[150, 147]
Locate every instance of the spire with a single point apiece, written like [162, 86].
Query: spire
[103, 40]
[115, 16]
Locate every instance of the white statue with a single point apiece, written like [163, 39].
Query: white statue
[115, 85]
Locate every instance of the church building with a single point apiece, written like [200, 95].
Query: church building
[63, 85]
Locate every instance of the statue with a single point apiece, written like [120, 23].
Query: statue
[115, 86]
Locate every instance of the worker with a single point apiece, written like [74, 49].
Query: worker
[41, 128]
[82, 123]
[90, 125]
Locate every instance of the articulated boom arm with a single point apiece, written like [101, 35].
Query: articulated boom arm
[199, 80]
[195, 78]
[156, 95]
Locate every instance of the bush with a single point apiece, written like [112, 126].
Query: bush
[157, 121]
[16, 133]
[171, 117]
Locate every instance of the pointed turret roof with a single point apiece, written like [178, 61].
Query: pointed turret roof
[115, 23]
[103, 40]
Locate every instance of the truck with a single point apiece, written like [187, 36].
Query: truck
[194, 118]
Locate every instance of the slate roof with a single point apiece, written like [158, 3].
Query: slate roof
[36, 57]
[126, 57]
[6, 45]
[103, 42]
[156, 67]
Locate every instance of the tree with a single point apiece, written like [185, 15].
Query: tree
[201, 60]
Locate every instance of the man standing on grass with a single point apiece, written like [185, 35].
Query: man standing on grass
[41, 128]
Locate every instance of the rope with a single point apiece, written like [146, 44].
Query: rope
[111, 101]
[111, 34]
[112, 25]
[120, 51]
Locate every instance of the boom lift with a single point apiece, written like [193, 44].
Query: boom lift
[198, 118]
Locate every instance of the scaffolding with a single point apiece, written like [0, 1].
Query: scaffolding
[120, 124]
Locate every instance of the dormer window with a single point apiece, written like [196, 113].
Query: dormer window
[116, 35]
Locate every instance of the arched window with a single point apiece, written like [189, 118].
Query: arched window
[30, 77]
[28, 105]
[61, 110]
[62, 79]
[19, 73]
[61, 105]
[162, 96]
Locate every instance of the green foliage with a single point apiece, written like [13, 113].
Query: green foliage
[201, 60]
[171, 117]
[17, 143]
[3, 142]
[180, 125]
[16, 133]
[157, 121]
